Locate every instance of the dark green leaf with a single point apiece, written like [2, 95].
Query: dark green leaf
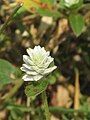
[35, 89]
[77, 23]
[4, 78]
[6, 70]
[51, 79]
[22, 108]
[6, 67]
[20, 12]
[45, 12]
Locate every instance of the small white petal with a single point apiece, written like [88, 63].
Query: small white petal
[32, 73]
[48, 53]
[32, 78]
[28, 71]
[27, 78]
[37, 49]
[24, 69]
[30, 52]
[27, 60]
[49, 70]
[37, 69]
[27, 66]
[37, 77]
[43, 50]
[43, 61]
[69, 3]
[49, 61]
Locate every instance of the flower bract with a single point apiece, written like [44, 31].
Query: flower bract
[69, 3]
[37, 64]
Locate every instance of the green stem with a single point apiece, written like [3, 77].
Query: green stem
[11, 16]
[7, 96]
[28, 105]
[60, 110]
[45, 105]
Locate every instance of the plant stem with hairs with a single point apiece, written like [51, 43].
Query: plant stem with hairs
[45, 105]
[28, 105]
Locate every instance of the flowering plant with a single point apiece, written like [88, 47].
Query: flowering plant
[38, 64]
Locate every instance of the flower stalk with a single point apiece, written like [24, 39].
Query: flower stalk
[45, 105]
[28, 105]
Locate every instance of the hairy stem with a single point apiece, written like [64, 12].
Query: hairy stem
[28, 105]
[7, 96]
[45, 105]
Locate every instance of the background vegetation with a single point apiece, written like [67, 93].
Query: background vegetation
[65, 31]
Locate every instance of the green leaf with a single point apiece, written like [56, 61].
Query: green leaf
[48, 1]
[77, 23]
[34, 89]
[51, 79]
[6, 70]
[46, 12]
[22, 108]
[21, 12]
[4, 79]
[29, 4]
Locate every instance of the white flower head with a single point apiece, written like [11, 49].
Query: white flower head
[37, 64]
[69, 3]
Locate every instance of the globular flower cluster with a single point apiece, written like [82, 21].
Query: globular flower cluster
[37, 64]
[69, 3]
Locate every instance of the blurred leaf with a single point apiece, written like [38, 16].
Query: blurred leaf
[6, 70]
[11, 106]
[46, 12]
[29, 4]
[16, 115]
[77, 23]
[18, 73]
[48, 1]
[16, 111]
[43, 7]
[20, 12]
[51, 79]
[13, 114]
[35, 89]
[4, 78]
[6, 67]
[2, 37]
[86, 57]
